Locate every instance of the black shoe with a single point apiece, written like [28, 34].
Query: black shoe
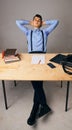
[44, 110]
[32, 118]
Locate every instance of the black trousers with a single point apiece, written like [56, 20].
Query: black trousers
[39, 95]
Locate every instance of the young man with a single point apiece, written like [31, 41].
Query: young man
[37, 43]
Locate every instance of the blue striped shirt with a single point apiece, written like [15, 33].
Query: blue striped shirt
[37, 38]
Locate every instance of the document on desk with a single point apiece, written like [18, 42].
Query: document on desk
[38, 59]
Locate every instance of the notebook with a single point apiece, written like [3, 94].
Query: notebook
[38, 59]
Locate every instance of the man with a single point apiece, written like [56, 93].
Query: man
[37, 43]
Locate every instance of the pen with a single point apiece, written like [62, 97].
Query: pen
[39, 62]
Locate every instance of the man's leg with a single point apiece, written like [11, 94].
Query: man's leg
[39, 99]
[39, 95]
[32, 118]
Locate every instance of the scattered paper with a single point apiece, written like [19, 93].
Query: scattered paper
[38, 59]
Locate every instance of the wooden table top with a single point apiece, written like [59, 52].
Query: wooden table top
[25, 70]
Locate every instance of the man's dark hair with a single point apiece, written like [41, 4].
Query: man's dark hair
[39, 16]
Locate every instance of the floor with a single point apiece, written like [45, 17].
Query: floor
[20, 103]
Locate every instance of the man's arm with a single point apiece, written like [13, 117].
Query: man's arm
[52, 25]
[21, 23]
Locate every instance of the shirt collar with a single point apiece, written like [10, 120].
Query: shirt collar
[36, 29]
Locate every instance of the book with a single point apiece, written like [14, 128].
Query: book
[38, 59]
[12, 58]
[9, 52]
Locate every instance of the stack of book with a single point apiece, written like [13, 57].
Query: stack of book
[10, 55]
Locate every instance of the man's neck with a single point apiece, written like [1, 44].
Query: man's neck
[36, 28]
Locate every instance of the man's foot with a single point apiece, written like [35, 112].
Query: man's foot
[32, 118]
[44, 110]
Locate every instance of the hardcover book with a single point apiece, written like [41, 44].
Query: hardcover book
[10, 52]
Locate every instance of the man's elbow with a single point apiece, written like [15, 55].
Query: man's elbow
[57, 22]
[17, 22]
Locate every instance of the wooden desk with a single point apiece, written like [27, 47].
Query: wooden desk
[24, 70]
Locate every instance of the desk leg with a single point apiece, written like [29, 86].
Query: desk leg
[67, 95]
[61, 84]
[4, 92]
[14, 82]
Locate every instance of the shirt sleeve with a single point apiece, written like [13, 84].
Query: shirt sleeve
[52, 24]
[21, 24]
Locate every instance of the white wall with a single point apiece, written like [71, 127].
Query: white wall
[60, 40]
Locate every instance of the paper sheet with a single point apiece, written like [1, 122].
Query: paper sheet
[38, 59]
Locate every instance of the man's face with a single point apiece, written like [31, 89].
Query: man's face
[37, 22]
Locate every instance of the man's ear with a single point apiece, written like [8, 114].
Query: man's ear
[41, 24]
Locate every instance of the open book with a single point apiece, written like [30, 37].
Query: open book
[38, 59]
